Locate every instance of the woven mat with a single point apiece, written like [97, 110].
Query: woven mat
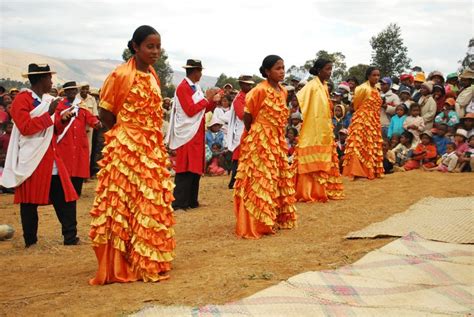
[408, 277]
[440, 219]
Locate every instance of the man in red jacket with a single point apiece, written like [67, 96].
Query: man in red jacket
[73, 143]
[33, 165]
[236, 123]
[186, 134]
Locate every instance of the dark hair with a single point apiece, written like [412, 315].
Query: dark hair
[294, 130]
[353, 79]
[408, 135]
[2, 89]
[414, 105]
[268, 63]
[229, 98]
[34, 79]
[369, 71]
[140, 35]
[451, 144]
[318, 65]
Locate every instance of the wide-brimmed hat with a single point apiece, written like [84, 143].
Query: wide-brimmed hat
[215, 120]
[420, 77]
[84, 84]
[70, 85]
[247, 79]
[467, 73]
[193, 63]
[37, 69]
[435, 73]
[13, 90]
[461, 132]
[228, 85]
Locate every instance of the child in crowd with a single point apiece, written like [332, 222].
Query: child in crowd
[348, 116]
[222, 113]
[460, 139]
[214, 133]
[467, 123]
[448, 160]
[440, 139]
[396, 123]
[296, 121]
[466, 161]
[405, 95]
[424, 154]
[217, 154]
[341, 146]
[291, 140]
[448, 115]
[394, 141]
[387, 161]
[451, 132]
[294, 106]
[414, 123]
[401, 153]
[338, 119]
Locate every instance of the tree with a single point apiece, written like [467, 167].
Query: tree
[223, 79]
[468, 60]
[163, 69]
[357, 71]
[388, 52]
[339, 65]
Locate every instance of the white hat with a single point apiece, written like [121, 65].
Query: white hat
[215, 120]
[461, 132]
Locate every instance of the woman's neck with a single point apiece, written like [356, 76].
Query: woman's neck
[274, 84]
[141, 66]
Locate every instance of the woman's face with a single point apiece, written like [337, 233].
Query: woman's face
[277, 72]
[149, 50]
[326, 71]
[374, 77]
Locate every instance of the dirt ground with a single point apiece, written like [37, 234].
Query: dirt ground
[212, 266]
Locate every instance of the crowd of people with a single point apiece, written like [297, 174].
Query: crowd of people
[281, 141]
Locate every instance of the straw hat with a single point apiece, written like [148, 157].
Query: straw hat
[37, 69]
[193, 63]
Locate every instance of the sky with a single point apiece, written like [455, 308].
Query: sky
[233, 37]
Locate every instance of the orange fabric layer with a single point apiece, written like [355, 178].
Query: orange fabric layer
[363, 156]
[132, 217]
[264, 188]
[318, 186]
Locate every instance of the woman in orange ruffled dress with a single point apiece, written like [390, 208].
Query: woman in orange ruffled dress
[264, 193]
[131, 229]
[318, 177]
[363, 155]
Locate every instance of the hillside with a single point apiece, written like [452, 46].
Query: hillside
[13, 63]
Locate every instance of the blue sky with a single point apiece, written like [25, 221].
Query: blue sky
[234, 37]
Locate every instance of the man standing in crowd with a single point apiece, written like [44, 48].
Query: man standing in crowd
[466, 80]
[236, 123]
[186, 134]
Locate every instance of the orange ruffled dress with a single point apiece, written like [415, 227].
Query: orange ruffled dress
[318, 177]
[363, 155]
[264, 193]
[132, 221]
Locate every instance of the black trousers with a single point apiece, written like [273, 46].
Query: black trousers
[235, 165]
[96, 149]
[186, 191]
[77, 183]
[65, 211]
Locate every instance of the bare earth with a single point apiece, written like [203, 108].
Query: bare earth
[212, 266]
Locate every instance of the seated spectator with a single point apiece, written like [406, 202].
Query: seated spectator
[402, 152]
[214, 168]
[460, 139]
[467, 123]
[466, 161]
[214, 133]
[387, 164]
[414, 123]
[394, 141]
[423, 155]
[396, 122]
[448, 160]
[440, 139]
[447, 114]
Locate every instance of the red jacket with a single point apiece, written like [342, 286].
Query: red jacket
[239, 105]
[190, 157]
[35, 190]
[74, 146]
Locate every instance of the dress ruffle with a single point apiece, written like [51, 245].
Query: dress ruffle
[132, 210]
[363, 156]
[264, 188]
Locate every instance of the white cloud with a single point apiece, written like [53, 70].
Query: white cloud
[233, 38]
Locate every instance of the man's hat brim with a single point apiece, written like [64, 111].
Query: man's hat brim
[25, 75]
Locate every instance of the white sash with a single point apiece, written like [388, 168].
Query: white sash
[75, 110]
[25, 152]
[235, 130]
[183, 128]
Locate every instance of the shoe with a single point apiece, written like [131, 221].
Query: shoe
[76, 241]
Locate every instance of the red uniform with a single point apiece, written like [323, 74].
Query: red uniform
[239, 104]
[35, 190]
[74, 146]
[190, 156]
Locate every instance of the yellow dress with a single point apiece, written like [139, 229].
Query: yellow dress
[132, 217]
[264, 193]
[363, 156]
[318, 177]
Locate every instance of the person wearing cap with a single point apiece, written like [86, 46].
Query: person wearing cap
[424, 155]
[73, 143]
[364, 156]
[227, 89]
[447, 114]
[418, 80]
[186, 134]
[236, 123]
[264, 194]
[466, 161]
[318, 177]
[452, 83]
[427, 104]
[295, 81]
[33, 165]
[460, 139]
[439, 95]
[436, 77]
[13, 92]
[404, 94]
[465, 95]
[134, 188]
[296, 121]
[467, 123]
[390, 101]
